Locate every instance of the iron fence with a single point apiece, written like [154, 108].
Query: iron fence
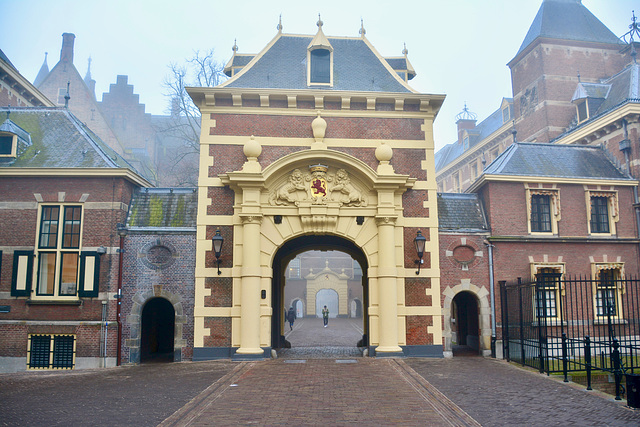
[561, 325]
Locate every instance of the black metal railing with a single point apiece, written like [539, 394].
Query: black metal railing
[563, 325]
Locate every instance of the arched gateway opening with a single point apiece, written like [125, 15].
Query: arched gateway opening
[158, 330]
[327, 284]
[467, 325]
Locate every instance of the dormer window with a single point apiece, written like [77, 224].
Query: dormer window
[320, 59]
[8, 145]
[582, 111]
[320, 66]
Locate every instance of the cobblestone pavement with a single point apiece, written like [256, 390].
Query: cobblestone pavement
[496, 393]
[312, 383]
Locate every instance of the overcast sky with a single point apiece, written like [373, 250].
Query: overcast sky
[458, 47]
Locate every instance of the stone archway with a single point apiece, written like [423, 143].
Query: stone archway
[134, 320]
[302, 244]
[481, 295]
[157, 326]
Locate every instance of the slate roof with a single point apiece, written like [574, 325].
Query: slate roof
[567, 20]
[557, 161]
[6, 59]
[461, 212]
[57, 139]
[452, 151]
[153, 208]
[283, 65]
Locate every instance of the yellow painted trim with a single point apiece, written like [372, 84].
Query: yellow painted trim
[598, 124]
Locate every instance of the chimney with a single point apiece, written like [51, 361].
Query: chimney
[66, 53]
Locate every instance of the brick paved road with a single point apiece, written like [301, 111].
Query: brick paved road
[321, 388]
[497, 393]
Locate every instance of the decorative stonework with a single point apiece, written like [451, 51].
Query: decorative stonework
[158, 255]
[318, 187]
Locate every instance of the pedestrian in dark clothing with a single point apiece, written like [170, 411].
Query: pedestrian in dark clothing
[325, 316]
[291, 317]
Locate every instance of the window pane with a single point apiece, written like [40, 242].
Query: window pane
[49, 227]
[546, 290]
[71, 232]
[46, 273]
[40, 350]
[540, 213]
[69, 274]
[606, 293]
[320, 66]
[62, 351]
[599, 215]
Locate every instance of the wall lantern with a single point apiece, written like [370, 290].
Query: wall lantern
[419, 241]
[218, 240]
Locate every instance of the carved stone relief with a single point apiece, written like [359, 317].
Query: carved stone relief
[318, 187]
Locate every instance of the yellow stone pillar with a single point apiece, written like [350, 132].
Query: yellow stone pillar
[387, 286]
[250, 286]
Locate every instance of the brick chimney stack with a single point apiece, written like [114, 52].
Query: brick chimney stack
[66, 53]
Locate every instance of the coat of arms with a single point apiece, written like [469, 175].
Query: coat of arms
[318, 182]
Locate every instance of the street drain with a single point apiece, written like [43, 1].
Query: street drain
[295, 361]
[346, 361]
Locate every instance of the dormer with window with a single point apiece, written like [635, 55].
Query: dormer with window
[320, 60]
[507, 110]
[13, 140]
[587, 98]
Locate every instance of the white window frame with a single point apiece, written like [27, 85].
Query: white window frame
[58, 251]
[558, 292]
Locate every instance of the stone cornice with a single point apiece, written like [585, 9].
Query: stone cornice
[76, 172]
[425, 104]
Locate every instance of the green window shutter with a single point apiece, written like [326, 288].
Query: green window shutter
[22, 273]
[89, 275]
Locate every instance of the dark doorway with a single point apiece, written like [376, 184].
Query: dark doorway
[467, 326]
[157, 331]
[286, 277]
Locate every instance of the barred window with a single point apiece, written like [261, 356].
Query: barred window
[547, 286]
[606, 292]
[51, 351]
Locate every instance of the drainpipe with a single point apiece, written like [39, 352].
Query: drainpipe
[103, 334]
[493, 300]
[119, 295]
[625, 147]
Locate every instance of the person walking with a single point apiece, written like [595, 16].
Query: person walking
[325, 316]
[291, 317]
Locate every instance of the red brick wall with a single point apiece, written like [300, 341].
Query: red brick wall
[220, 328]
[300, 127]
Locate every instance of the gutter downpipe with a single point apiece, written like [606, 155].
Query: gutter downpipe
[636, 199]
[119, 296]
[493, 300]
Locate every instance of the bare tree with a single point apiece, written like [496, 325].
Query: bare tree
[179, 133]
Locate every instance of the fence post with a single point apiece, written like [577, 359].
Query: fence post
[587, 360]
[539, 316]
[505, 320]
[615, 355]
[522, 353]
[565, 358]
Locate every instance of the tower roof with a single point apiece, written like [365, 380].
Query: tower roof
[43, 73]
[567, 20]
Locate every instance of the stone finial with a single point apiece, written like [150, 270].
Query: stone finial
[252, 149]
[319, 127]
[234, 48]
[362, 30]
[279, 27]
[384, 153]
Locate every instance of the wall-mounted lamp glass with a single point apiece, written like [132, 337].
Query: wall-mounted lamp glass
[419, 241]
[218, 240]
